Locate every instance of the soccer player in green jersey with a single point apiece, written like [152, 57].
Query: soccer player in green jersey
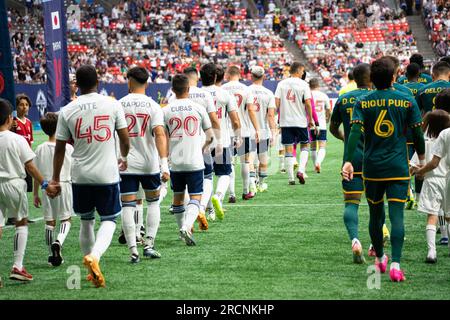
[425, 96]
[342, 114]
[396, 85]
[424, 78]
[384, 114]
[413, 74]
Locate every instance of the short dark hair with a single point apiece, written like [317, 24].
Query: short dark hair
[445, 59]
[382, 72]
[233, 71]
[361, 74]
[440, 68]
[417, 58]
[208, 74]
[180, 84]
[48, 123]
[86, 76]
[220, 73]
[5, 110]
[436, 121]
[442, 100]
[394, 60]
[22, 96]
[295, 66]
[314, 83]
[412, 71]
[190, 70]
[139, 74]
[350, 75]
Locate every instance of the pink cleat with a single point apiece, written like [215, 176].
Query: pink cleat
[371, 252]
[248, 196]
[382, 265]
[397, 275]
[301, 177]
[317, 168]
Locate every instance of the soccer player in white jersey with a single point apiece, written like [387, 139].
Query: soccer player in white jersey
[226, 107]
[265, 107]
[249, 127]
[185, 120]
[147, 140]
[293, 98]
[15, 157]
[205, 99]
[91, 121]
[59, 208]
[323, 110]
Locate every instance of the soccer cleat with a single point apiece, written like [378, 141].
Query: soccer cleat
[381, 266]
[397, 275]
[262, 187]
[292, 183]
[410, 204]
[122, 239]
[232, 199]
[50, 260]
[301, 177]
[386, 235]
[253, 189]
[171, 209]
[21, 275]
[248, 196]
[151, 253]
[371, 252]
[317, 168]
[187, 238]
[217, 207]
[283, 171]
[142, 231]
[358, 257]
[211, 214]
[443, 241]
[57, 258]
[134, 258]
[431, 260]
[96, 276]
[202, 222]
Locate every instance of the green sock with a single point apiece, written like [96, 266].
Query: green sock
[376, 227]
[397, 229]
[351, 219]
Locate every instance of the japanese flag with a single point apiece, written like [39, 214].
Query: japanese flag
[55, 20]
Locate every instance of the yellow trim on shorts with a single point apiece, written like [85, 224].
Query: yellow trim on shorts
[396, 200]
[410, 143]
[375, 202]
[352, 201]
[358, 174]
[387, 179]
[352, 192]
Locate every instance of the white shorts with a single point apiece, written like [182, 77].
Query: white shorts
[61, 207]
[13, 198]
[431, 199]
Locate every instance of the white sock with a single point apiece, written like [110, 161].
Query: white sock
[253, 180]
[162, 192]
[139, 219]
[222, 186]
[313, 156]
[87, 236]
[304, 154]
[129, 227]
[64, 229]
[104, 236]
[49, 237]
[186, 197]
[281, 162]
[231, 188]
[442, 225]
[395, 265]
[153, 218]
[191, 214]
[431, 239]
[20, 244]
[207, 192]
[245, 174]
[290, 167]
[321, 155]
[180, 219]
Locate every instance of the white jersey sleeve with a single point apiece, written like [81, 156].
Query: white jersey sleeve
[441, 147]
[14, 153]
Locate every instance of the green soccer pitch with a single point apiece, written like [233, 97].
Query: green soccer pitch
[288, 243]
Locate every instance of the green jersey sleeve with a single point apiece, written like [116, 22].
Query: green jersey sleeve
[357, 116]
[336, 115]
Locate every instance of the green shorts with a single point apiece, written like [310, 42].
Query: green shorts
[354, 186]
[395, 190]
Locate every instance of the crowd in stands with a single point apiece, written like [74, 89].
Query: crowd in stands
[436, 16]
[165, 36]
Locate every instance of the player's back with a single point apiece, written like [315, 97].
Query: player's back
[423, 78]
[185, 120]
[414, 87]
[142, 114]
[321, 103]
[243, 96]
[91, 121]
[425, 96]
[264, 99]
[44, 161]
[292, 93]
[13, 155]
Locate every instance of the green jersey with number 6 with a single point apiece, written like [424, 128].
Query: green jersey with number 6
[385, 116]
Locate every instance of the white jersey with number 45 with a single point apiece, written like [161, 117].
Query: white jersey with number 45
[91, 121]
[143, 114]
[243, 96]
[185, 120]
[293, 92]
[264, 100]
